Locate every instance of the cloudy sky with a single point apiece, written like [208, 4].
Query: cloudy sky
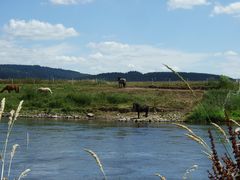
[96, 36]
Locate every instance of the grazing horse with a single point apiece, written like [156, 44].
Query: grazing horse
[44, 90]
[139, 108]
[10, 87]
[122, 82]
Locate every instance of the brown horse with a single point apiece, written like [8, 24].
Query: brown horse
[10, 87]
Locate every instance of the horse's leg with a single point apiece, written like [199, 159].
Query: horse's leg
[138, 114]
[146, 114]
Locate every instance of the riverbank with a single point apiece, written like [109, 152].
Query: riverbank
[170, 116]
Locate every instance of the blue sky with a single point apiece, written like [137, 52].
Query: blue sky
[96, 36]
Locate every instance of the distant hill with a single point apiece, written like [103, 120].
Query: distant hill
[155, 76]
[40, 72]
[37, 72]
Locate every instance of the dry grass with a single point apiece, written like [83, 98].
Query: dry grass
[95, 156]
[160, 176]
[194, 137]
[12, 119]
[221, 130]
[189, 171]
[24, 174]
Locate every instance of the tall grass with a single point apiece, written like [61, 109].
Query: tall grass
[95, 156]
[12, 119]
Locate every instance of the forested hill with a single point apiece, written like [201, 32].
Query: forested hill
[39, 72]
[156, 76]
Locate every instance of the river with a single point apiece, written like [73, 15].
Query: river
[53, 150]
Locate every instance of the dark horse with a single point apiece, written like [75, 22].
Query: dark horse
[139, 108]
[122, 82]
[10, 87]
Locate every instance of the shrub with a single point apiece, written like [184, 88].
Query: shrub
[225, 83]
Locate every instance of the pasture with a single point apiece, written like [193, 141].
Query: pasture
[80, 97]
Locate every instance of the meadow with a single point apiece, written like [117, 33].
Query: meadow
[76, 97]
[100, 97]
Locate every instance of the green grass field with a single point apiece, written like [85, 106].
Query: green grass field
[80, 97]
[76, 97]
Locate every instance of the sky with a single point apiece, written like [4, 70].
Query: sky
[97, 36]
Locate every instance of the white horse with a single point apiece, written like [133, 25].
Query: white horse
[45, 90]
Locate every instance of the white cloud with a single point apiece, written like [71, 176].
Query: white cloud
[186, 4]
[233, 8]
[68, 2]
[228, 53]
[117, 56]
[121, 57]
[53, 56]
[37, 30]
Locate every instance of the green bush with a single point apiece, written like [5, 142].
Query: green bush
[206, 113]
[225, 83]
[214, 103]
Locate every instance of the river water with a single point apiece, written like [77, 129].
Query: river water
[53, 150]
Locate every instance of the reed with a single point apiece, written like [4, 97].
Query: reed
[24, 174]
[95, 156]
[235, 122]
[191, 90]
[199, 141]
[221, 130]
[14, 148]
[12, 119]
[194, 137]
[189, 171]
[160, 176]
[189, 87]
[2, 107]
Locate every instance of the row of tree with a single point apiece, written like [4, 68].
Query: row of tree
[39, 72]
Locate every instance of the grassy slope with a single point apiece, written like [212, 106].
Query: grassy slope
[89, 96]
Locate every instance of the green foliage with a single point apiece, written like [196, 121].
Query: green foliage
[203, 113]
[225, 83]
[118, 98]
[214, 103]
[80, 99]
[29, 94]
